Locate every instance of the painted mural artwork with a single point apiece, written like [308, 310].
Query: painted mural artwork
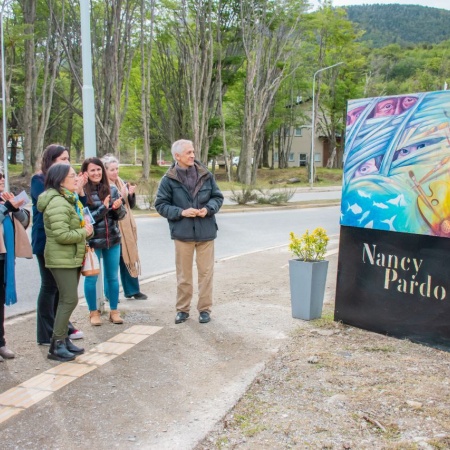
[397, 164]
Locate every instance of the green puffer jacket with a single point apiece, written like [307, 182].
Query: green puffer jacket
[66, 240]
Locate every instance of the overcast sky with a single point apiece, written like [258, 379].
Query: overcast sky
[444, 4]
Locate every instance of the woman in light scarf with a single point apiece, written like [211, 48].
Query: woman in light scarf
[130, 266]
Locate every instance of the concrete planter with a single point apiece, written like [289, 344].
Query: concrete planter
[307, 280]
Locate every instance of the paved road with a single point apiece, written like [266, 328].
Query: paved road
[239, 233]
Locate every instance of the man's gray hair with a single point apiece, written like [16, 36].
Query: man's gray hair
[178, 146]
[109, 159]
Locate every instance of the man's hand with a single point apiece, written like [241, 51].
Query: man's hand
[202, 212]
[190, 212]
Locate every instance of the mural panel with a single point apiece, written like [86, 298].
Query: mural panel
[395, 217]
[396, 164]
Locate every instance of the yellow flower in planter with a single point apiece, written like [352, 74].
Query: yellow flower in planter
[310, 246]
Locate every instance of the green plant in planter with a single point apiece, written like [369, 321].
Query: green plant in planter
[310, 246]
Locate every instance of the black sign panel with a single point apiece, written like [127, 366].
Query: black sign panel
[395, 283]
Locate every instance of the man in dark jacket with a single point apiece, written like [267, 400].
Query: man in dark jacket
[188, 197]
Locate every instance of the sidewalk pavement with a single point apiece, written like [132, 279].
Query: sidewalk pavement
[301, 194]
[154, 384]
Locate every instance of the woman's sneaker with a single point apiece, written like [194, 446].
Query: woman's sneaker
[76, 334]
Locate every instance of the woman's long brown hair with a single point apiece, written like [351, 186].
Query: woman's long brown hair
[103, 187]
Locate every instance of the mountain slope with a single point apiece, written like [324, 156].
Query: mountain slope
[400, 24]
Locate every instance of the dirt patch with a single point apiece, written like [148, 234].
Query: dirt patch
[18, 183]
[338, 387]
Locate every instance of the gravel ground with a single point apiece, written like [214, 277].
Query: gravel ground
[254, 378]
[337, 387]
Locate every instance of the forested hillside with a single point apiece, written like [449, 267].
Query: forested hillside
[400, 24]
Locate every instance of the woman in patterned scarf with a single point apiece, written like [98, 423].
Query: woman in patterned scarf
[65, 250]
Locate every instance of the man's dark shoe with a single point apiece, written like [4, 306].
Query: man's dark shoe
[181, 317]
[204, 317]
[138, 296]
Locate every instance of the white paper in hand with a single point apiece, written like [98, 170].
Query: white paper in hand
[22, 196]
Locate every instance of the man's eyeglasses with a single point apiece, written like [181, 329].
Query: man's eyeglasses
[1, 176]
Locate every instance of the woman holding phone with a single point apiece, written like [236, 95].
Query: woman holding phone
[106, 207]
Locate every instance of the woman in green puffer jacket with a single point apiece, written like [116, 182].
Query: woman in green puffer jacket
[64, 252]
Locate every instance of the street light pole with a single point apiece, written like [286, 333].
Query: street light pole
[313, 127]
[90, 144]
[5, 140]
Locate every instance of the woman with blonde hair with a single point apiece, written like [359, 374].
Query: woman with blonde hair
[130, 266]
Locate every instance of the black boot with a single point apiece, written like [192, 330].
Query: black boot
[73, 348]
[58, 351]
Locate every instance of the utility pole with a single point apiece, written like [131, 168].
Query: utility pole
[90, 143]
[313, 127]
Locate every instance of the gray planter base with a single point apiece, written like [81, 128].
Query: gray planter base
[307, 280]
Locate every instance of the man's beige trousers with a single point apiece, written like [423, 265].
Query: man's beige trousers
[184, 259]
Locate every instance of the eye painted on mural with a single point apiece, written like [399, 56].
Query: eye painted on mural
[386, 107]
[366, 168]
[408, 150]
[407, 102]
[353, 115]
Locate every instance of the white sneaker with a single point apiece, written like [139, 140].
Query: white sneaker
[77, 334]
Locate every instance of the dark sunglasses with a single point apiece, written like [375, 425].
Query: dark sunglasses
[1, 176]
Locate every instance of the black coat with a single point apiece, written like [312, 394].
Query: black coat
[173, 197]
[106, 230]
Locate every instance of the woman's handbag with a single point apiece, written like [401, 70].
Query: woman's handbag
[91, 263]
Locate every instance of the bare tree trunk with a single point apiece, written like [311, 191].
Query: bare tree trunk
[199, 66]
[113, 54]
[266, 148]
[51, 66]
[69, 133]
[332, 159]
[264, 49]
[228, 162]
[146, 57]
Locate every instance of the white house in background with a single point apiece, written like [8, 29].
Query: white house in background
[301, 148]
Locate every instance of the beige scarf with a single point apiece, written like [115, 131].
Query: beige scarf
[22, 246]
[128, 231]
